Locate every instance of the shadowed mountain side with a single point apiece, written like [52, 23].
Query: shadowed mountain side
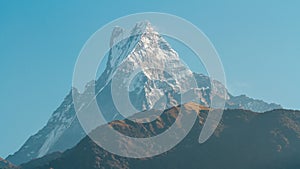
[6, 164]
[243, 139]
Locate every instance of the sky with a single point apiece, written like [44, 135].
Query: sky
[258, 43]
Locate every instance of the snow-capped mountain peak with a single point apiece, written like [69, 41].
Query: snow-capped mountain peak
[160, 71]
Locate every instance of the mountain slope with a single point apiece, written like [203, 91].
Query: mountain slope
[243, 139]
[5, 164]
[61, 132]
[144, 47]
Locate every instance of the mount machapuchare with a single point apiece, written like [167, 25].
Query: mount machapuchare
[243, 139]
[144, 47]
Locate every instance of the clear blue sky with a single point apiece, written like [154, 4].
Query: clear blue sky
[258, 42]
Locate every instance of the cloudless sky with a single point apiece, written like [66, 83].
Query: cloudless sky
[258, 42]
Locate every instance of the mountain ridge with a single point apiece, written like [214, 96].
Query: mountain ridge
[235, 144]
[6, 164]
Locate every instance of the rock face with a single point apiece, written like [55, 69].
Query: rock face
[242, 140]
[5, 164]
[147, 90]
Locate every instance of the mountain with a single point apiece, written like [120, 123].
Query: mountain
[144, 47]
[247, 103]
[243, 139]
[5, 164]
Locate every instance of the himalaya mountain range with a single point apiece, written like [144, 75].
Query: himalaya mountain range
[48, 148]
